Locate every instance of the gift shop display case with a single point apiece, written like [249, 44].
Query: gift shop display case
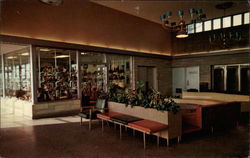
[57, 74]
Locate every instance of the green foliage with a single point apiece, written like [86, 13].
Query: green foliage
[140, 97]
[102, 95]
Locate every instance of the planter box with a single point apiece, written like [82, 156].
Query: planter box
[173, 121]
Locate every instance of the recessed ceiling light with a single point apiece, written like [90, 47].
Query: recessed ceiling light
[83, 53]
[62, 56]
[25, 54]
[52, 2]
[44, 49]
[11, 57]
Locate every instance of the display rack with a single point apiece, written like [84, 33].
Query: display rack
[119, 72]
[93, 79]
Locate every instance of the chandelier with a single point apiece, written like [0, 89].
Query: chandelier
[52, 2]
[225, 38]
[180, 27]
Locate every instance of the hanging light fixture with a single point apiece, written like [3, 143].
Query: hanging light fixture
[52, 2]
[180, 28]
[224, 38]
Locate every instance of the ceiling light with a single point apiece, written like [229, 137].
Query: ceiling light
[62, 56]
[25, 54]
[44, 49]
[83, 53]
[181, 34]
[225, 38]
[11, 57]
[196, 16]
[52, 2]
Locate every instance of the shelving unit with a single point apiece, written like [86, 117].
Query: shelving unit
[93, 79]
[119, 72]
[57, 76]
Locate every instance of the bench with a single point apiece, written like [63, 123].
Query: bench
[148, 127]
[135, 123]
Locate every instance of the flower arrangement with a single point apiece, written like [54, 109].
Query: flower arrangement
[140, 97]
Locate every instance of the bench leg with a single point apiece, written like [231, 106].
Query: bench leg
[125, 128]
[179, 139]
[212, 130]
[133, 132]
[120, 131]
[158, 141]
[167, 142]
[81, 121]
[90, 124]
[102, 126]
[144, 140]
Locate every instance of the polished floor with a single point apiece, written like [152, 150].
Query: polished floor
[70, 140]
[10, 120]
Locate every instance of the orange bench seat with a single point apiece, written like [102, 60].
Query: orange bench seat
[148, 126]
[107, 115]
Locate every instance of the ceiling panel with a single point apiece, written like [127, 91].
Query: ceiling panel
[151, 10]
[7, 48]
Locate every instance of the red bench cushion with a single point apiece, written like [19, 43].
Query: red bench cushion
[108, 115]
[148, 126]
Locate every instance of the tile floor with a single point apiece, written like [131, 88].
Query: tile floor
[70, 140]
[63, 137]
[9, 120]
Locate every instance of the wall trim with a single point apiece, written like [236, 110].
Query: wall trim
[72, 46]
[214, 53]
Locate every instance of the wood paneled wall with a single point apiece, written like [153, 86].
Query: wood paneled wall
[82, 22]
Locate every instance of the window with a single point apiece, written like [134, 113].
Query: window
[244, 79]
[17, 74]
[227, 22]
[207, 25]
[190, 28]
[231, 78]
[246, 18]
[237, 20]
[198, 27]
[57, 74]
[93, 72]
[119, 70]
[216, 23]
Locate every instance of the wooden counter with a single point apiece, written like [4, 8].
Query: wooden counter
[243, 99]
[198, 114]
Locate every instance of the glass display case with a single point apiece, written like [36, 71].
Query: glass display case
[93, 73]
[57, 72]
[18, 74]
[119, 70]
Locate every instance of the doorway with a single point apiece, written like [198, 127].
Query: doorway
[148, 74]
[185, 79]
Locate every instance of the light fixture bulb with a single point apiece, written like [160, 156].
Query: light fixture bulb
[181, 35]
[52, 2]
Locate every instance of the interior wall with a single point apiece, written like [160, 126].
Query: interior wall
[82, 22]
[163, 75]
[199, 42]
[205, 63]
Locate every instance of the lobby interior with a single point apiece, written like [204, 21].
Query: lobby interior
[53, 50]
